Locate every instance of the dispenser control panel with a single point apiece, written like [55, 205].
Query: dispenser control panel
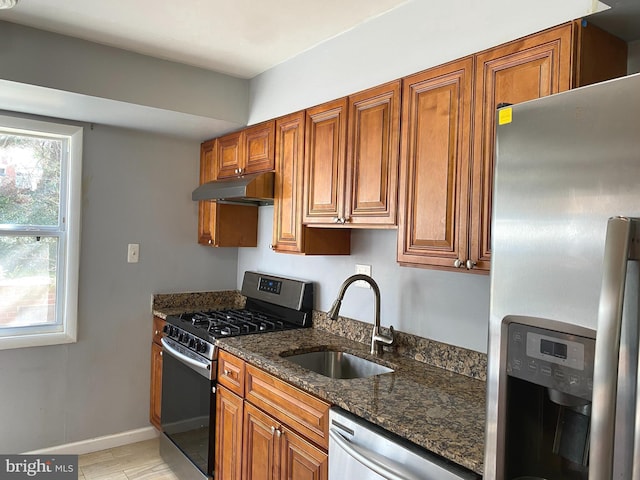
[553, 359]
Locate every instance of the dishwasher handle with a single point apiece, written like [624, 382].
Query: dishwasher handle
[375, 462]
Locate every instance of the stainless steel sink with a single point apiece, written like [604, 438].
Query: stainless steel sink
[335, 364]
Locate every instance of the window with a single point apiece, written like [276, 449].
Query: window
[39, 232]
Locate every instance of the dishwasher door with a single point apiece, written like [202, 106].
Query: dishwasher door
[363, 451]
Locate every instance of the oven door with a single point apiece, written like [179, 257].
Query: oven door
[188, 407]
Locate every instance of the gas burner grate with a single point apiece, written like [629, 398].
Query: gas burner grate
[228, 323]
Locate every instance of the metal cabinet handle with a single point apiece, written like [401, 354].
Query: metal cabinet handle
[345, 220]
[278, 432]
[157, 332]
[458, 263]
[470, 264]
[273, 430]
[210, 242]
[336, 219]
[227, 373]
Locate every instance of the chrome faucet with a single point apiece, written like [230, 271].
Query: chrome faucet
[377, 339]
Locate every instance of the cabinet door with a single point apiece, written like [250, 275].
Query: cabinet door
[289, 234]
[235, 225]
[324, 169]
[229, 418]
[300, 460]
[206, 210]
[435, 155]
[372, 156]
[287, 213]
[229, 153]
[156, 385]
[259, 148]
[536, 66]
[261, 445]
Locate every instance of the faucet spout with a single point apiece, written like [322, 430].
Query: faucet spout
[377, 339]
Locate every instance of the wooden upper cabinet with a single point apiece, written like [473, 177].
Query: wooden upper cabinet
[435, 153]
[324, 166]
[351, 160]
[598, 56]
[445, 190]
[206, 209]
[534, 67]
[220, 224]
[248, 151]
[230, 154]
[373, 143]
[289, 234]
[259, 148]
[287, 211]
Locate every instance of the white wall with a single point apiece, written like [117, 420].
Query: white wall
[136, 189]
[450, 307]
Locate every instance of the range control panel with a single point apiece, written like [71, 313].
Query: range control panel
[552, 359]
[269, 285]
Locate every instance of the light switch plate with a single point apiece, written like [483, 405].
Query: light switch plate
[133, 252]
[365, 270]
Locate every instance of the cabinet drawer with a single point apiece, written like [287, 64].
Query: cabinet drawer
[158, 325]
[298, 410]
[231, 372]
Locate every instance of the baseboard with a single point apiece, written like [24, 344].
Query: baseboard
[100, 443]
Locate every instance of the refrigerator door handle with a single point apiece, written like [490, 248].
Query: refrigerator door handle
[605, 375]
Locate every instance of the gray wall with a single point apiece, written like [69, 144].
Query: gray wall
[410, 38]
[450, 307]
[35, 57]
[136, 189]
[633, 65]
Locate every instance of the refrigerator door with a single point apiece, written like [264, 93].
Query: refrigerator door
[565, 164]
[619, 238]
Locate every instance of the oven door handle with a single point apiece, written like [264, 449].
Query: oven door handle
[203, 367]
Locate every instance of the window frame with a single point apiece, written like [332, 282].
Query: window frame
[68, 238]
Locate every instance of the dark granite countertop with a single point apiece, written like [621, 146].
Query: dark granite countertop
[442, 411]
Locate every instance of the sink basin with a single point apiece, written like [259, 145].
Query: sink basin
[334, 364]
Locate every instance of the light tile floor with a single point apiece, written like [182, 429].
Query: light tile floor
[136, 461]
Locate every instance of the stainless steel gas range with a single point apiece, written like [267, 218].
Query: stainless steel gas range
[190, 360]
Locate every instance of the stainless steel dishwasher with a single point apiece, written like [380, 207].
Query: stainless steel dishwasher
[360, 450]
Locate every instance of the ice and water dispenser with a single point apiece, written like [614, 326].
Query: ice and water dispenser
[549, 389]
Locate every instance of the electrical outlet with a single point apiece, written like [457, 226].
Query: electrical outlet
[133, 252]
[365, 270]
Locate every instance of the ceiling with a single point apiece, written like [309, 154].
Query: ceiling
[239, 37]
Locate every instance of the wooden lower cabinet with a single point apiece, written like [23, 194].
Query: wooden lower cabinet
[274, 452]
[228, 445]
[156, 385]
[155, 395]
[300, 460]
[288, 442]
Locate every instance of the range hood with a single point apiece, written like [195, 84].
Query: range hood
[256, 189]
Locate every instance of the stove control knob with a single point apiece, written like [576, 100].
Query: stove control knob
[166, 329]
[173, 332]
[202, 347]
[181, 337]
[192, 343]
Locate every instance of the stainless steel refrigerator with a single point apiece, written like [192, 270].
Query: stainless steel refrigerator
[562, 390]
